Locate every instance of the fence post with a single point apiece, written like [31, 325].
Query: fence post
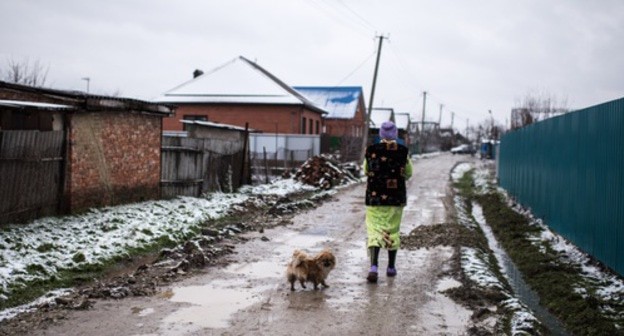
[266, 165]
[245, 139]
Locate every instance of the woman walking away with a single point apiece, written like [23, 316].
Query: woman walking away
[387, 166]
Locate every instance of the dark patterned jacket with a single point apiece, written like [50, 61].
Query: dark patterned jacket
[386, 174]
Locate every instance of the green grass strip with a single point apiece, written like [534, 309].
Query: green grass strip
[555, 282]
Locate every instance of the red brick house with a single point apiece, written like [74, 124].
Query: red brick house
[241, 92]
[108, 148]
[345, 123]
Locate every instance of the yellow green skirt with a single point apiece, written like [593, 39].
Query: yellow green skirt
[383, 224]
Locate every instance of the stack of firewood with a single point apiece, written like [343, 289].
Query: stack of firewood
[324, 173]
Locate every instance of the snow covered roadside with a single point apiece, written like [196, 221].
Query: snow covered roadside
[475, 262]
[606, 286]
[42, 248]
[594, 283]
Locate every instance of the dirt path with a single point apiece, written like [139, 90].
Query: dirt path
[250, 296]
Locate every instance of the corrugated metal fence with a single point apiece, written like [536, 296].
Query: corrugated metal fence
[31, 164]
[193, 166]
[570, 171]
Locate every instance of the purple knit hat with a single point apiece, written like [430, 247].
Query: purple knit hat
[388, 130]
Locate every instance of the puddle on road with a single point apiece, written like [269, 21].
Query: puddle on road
[441, 312]
[317, 231]
[142, 312]
[351, 288]
[256, 270]
[301, 241]
[212, 305]
[309, 243]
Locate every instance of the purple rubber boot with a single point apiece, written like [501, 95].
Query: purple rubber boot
[372, 274]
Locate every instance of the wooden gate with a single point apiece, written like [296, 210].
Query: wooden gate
[31, 174]
[193, 166]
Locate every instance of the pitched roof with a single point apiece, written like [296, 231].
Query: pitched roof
[379, 115]
[237, 81]
[18, 104]
[78, 101]
[402, 120]
[340, 101]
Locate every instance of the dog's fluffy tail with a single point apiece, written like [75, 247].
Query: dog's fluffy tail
[298, 258]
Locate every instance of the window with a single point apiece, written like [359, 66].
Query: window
[311, 125]
[318, 127]
[303, 125]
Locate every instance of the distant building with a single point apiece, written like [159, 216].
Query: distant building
[378, 116]
[66, 151]
[346, 119]
[402, 121]
[241, 93]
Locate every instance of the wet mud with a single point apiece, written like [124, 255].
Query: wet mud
[245, 291]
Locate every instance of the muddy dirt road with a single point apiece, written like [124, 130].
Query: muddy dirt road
[250, 296]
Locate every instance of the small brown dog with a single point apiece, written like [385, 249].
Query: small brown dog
[305, 268]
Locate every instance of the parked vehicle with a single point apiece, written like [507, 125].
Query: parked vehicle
[463, 149]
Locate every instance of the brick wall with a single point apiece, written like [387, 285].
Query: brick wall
[266, 118]
[114, 158]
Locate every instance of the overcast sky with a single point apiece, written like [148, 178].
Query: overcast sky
[471, 56]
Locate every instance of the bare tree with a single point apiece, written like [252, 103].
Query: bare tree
[25, 72]
[535, 107]
[350, 148]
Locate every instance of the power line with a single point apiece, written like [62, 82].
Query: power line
[358, 23]
[366, 22]
[337, 18]
[457, 111]
[406, 72]
[357, 68]
[349, 13]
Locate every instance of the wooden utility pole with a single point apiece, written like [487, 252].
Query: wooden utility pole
[452, 119]
[422, 124]
[452, 131]
[372, 97]
[440, 117]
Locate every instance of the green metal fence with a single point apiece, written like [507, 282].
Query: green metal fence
[570, 171]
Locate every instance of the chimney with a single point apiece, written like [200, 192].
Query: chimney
[197, 73]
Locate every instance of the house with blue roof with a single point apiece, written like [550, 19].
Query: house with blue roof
[345, 122]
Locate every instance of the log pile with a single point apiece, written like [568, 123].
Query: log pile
[324, 173]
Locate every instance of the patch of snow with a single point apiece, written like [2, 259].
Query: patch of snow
[475, 263]
[458, 172]
[462, 213]
[279, 187]
[426, 155]
[40, 249]
[607, 286]
[482, 180]
[447, 283]
[475, 266]
[48, 298]
[477, 213]
[522, 321]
